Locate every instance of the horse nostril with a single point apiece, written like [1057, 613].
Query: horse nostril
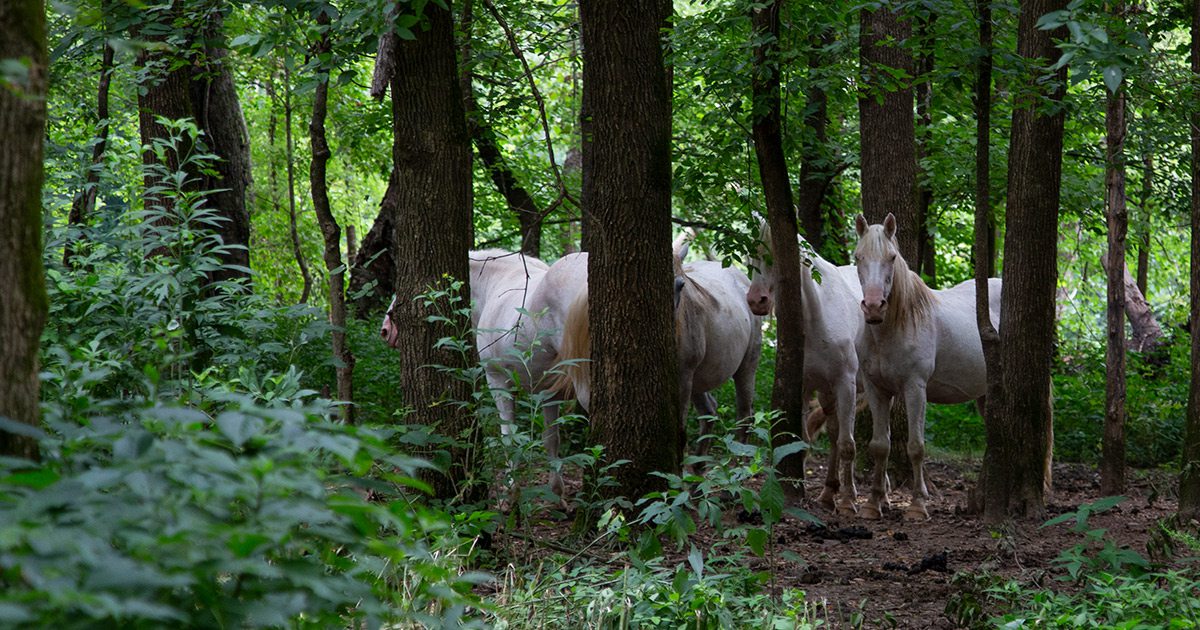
[883, 302]
[383, 333]
[863, 304]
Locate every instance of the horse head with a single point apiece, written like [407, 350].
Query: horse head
[389, 331]
[761, 295]
[875, 259]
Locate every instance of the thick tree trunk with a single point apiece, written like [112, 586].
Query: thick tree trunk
[332, 232]
[22, 283]
[1112, 458]
[84, 203]
[1014, 467]
[290, 154]
[889, 163]
[197, 84]
[787, 396]
[816, 174]
[1189, 478]
[429, 201]
[627, 195]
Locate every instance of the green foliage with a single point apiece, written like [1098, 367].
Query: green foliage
[223, 513]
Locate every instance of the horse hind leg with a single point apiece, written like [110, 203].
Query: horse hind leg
[706, 409]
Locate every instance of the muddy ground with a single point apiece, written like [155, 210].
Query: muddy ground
[894, 573]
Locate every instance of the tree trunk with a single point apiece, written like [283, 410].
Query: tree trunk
[926, 255]
[1112, 457]
[816, 174]
[518, 198]
[199, 85]
[22, 281]
[374, 262]
[344, 359]
[1189, 478]
[984, 244]
[1143, 229]
[429, 202]
[84, 203]
[290, 153]
[787, 395]
[1014, 464]
[889, 163]
[1146, 331]
[627, 196]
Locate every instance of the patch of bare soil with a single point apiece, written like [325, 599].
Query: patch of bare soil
[897, 573]
[894, 573]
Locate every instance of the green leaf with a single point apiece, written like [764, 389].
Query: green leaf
[1113, 76]
[791, 448]
[756, 539]
[36, 479]
[696, 560]
[771, 500]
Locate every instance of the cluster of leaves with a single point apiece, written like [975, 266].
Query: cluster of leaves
[1106, 586]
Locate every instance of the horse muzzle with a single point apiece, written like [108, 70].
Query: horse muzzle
[874, 311]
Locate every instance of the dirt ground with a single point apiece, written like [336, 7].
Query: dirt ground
[897, 574]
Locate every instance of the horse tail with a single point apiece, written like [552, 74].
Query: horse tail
[573, 373]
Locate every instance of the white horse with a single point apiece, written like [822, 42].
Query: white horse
[920, 344]
[502, 283]
[717, 339]
[831, 323]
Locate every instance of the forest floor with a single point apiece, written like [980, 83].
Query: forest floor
[893, 573]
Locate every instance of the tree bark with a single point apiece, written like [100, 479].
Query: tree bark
[1112, 455]
[1014, 468]
[192, 81]
[816, 170]
[374, 261]
[429, 202]
[529, 216]
[627, 195]
[984, 244]
[1189, 478]
[787, 395]
[1146, 330]
[84, 203]
[332, 232]
[1143, 229]
[889, 163]
[23, 303]
[290, 154]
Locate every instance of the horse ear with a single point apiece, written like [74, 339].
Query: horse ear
[682, 252]
[889, 225]
[860, 225]
[679, 282]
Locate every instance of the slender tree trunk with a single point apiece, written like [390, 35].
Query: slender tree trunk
[815, 173]
[23, 303]
[984, 244]
[429, 201]
[331, 231]
[84, 203]
[926, 255]
[1014, 464]
[627, 195]
[889, 163]
[290, 152]
[1189, 478]
[1112, 459]
[351, 242]
[1143, 229]
[787, 396]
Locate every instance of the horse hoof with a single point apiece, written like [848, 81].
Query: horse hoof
[871, 513]
[556, 485]
[847, 509]
[916, 513]
[826, 500]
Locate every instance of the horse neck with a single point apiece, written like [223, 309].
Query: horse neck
[816, 295]
[911, 300]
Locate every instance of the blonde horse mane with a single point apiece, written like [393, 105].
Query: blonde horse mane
[575, 350]
[911, 301]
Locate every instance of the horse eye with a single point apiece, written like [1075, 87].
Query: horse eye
[893, 258]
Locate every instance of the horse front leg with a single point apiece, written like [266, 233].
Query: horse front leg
[829, 492]
[844, 408]
[881, 443]
[551, 440]
[915, 401]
